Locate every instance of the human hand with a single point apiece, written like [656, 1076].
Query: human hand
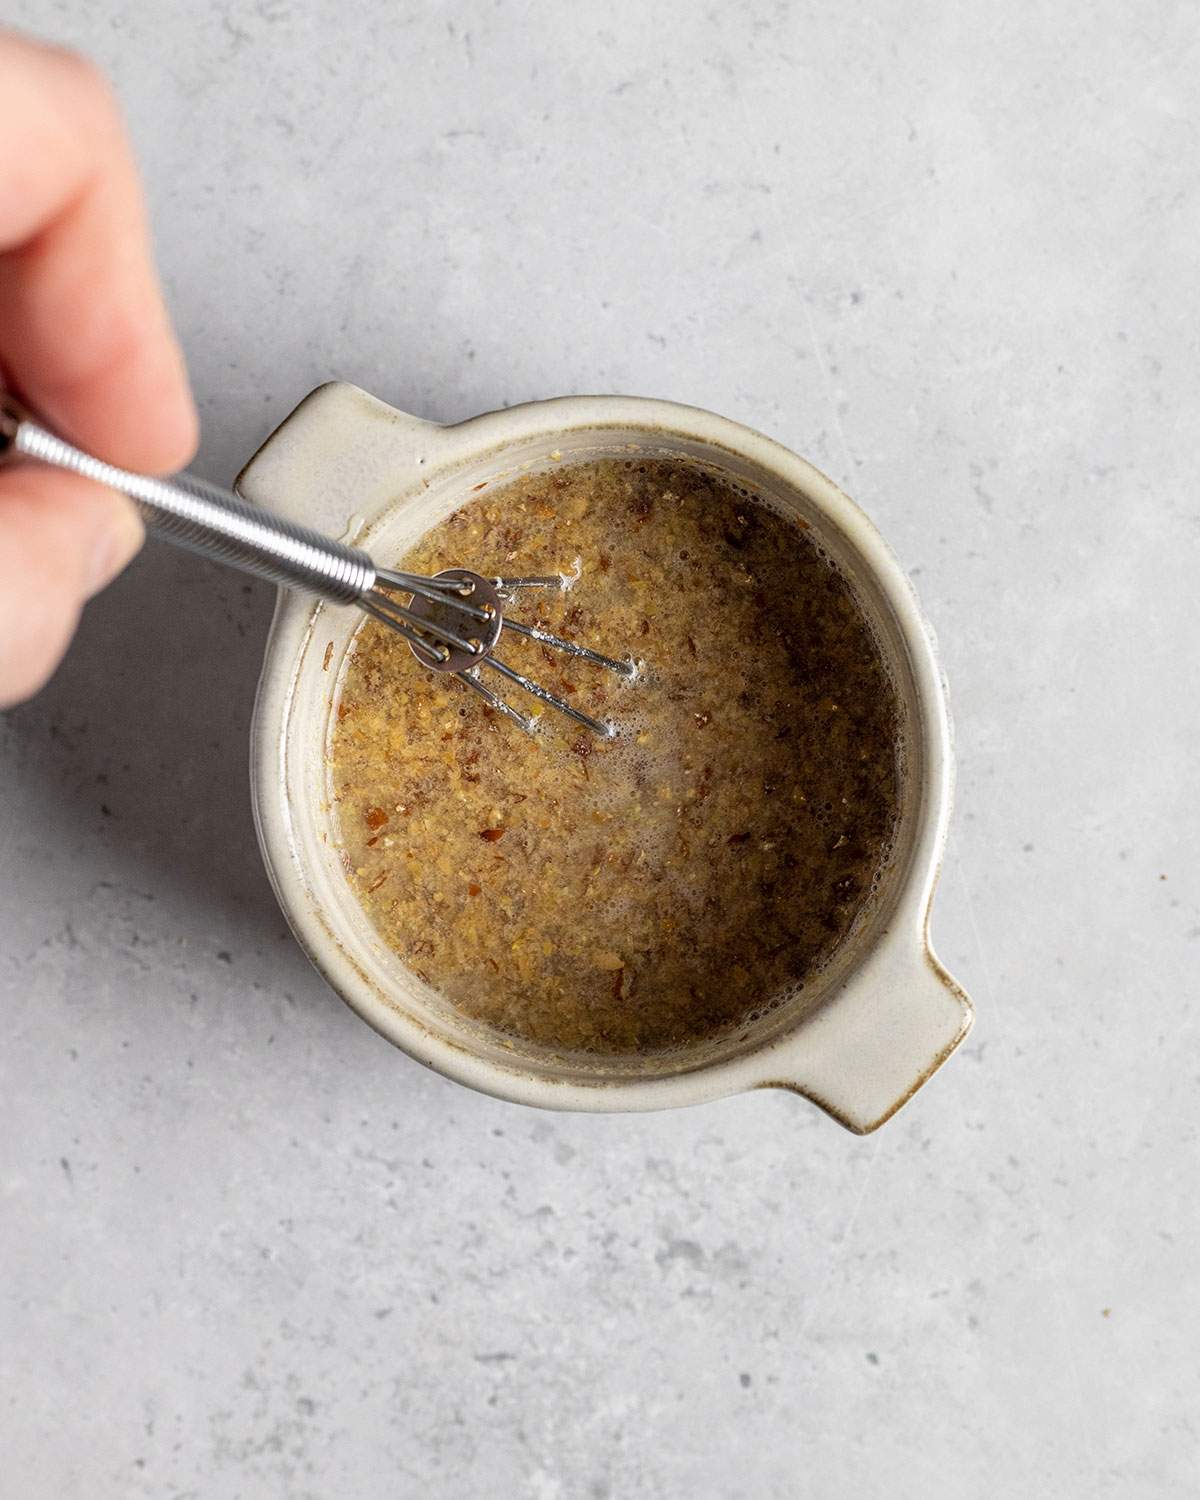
[85, 341]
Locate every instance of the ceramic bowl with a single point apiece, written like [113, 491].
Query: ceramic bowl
[863, 1035]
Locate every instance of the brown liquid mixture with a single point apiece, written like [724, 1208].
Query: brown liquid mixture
[664, 887]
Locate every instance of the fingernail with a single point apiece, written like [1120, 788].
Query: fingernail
[116, 546]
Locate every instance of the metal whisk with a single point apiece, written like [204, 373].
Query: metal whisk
[452, 622]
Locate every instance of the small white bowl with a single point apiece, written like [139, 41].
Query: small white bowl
[864, 1034]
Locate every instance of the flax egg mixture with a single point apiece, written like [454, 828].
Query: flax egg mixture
[671, 884]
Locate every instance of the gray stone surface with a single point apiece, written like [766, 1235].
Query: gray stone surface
[248, 1249]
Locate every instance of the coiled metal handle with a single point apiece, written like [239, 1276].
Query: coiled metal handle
[206, 519]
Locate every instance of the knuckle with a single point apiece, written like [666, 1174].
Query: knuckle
[80, 67]
[89, 84]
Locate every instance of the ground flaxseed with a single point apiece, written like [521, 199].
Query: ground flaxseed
[643, 893]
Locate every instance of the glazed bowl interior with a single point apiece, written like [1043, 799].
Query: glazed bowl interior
[310, 714]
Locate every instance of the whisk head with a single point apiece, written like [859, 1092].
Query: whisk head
[453, 622]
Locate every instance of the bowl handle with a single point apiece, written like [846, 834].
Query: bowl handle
[872, 1045]
[340, 456]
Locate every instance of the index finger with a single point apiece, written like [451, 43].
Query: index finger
[84, 334]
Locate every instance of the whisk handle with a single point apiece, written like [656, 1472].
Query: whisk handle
[204, 518]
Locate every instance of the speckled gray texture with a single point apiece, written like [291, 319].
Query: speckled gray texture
[247, 1248]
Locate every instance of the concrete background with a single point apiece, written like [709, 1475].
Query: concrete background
[949, 253]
